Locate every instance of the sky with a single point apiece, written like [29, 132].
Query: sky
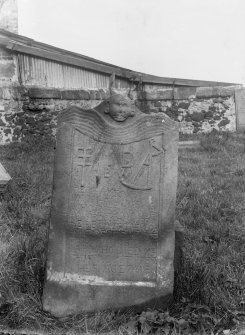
[193, 39]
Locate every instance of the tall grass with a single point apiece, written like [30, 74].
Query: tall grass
[211, 207]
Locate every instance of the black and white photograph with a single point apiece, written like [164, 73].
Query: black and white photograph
[122, 167]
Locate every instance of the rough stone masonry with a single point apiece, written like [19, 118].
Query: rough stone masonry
[33, 111]
[111, 239]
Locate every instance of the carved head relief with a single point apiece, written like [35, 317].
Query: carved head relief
[119, 108]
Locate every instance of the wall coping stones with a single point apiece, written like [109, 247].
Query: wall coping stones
[216, 91]
[156, 95]
[13, 92]
[179, 93]
[47, 93]
[44, 93]
[75, 95]
[183, 93]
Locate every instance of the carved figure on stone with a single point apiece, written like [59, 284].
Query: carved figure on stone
[118, 107]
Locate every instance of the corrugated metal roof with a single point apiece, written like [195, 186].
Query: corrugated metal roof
[43, 72]
[25, 45]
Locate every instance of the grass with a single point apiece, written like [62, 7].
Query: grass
[210, 284]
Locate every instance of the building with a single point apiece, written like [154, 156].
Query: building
[38, 80]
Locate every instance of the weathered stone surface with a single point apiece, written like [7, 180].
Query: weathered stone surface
[7, 69]
[42, 103]
[111, 240]
[4, 178]
[75, 95]
[184, 105]
[156, 95]
[215, 92]
[223, 123]
[182, 93]
[44, 93]
[197, 116]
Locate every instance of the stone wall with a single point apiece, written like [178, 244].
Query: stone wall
[197, 109]
[33, 111]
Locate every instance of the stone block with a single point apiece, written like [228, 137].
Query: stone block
[4, 178]
[98, 95]
[156, 95]
[223, 123]
[184, 105]
[75, 95]
[7, 69]
[197, 116]
[44, 93]
[228, 91]
[104, 94]
[92, 94]
[112, 232]
[215, 92]
[182, 93]
[158, 104]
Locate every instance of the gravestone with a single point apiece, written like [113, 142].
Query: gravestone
[4, 178]
[111, 239]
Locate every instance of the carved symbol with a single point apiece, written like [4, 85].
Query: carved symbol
[141, 168]
[107, 171]
[153, 145]
[84, 154]
[127, 160]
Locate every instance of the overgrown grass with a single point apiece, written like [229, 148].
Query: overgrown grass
[210, 206]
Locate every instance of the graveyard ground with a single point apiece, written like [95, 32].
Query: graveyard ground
[210, 284]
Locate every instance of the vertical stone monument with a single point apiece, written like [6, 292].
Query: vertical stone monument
[4, 179]
[111, 239]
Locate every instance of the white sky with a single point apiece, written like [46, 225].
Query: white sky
[196, 39]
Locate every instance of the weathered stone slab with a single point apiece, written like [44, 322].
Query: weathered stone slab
[111, 240]
[215, 91]
[182, 93]
[166, 94]
[44, 93]
[75, 95]
[4, 178]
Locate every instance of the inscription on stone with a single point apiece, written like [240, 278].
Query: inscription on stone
[112, 222]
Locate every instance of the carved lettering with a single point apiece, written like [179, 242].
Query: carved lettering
[107, 171]
[127, 160]
[84, 160]
[155, 146]
[134, 258]
[139, 176]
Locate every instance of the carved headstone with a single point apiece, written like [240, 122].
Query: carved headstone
[4, 178]
[111, 240]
